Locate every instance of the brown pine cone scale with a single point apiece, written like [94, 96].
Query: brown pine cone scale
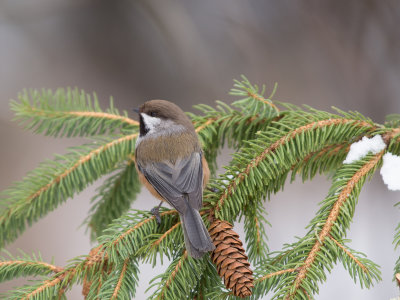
[230, 259]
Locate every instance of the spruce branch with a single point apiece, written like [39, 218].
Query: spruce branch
[180, 278]
[55, 181]
[48, 289]
[268, 277]
[97, 260]
[254, 102]
[121, 278]
[350, 189]
[114, 198]
[159, 244]
[205, 124]
[359, 267]
[20, 266]
[256, 237]
[321, 161]
[54, 287]
[210, 285]
[392, 139]
[172, 275]
[273, 274]
[270, 157]
[226, 125]
[122, 240]
[392, 120]
[122, 282]
[99, 269]
[68, 113]
[270, 143]
[349, 254]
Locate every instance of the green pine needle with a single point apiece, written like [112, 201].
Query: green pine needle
[68, 113]
[271, 145]
[114, 198]
[53, 182]
[24, 265]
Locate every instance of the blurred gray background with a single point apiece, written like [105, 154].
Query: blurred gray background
[322, 53]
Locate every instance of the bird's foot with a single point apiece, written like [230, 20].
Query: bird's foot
[155, 211]
[213, 189]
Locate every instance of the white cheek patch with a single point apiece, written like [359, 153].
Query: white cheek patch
[150, 122]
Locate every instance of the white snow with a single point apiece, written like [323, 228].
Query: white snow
[391, 171]
[230, 176]
[361, 148]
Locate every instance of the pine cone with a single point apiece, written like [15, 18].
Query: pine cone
[231, 261]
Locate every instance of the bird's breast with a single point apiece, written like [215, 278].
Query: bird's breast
[167, 147]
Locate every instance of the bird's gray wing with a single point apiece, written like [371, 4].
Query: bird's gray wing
[174, 181]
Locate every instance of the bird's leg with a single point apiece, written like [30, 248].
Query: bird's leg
[212, 189]
[155, 211]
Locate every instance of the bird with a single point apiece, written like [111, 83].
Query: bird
[171, 165]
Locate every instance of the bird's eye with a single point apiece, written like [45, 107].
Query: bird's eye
[153, 114]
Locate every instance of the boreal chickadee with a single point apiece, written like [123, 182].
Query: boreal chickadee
[171, 165]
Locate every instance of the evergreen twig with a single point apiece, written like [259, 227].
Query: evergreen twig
[271, 143]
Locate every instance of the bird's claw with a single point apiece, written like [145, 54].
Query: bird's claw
[213, 189]
[155, 211]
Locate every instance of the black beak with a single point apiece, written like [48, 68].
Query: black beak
[136, 110]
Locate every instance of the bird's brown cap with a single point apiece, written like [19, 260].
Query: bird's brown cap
[166, 110]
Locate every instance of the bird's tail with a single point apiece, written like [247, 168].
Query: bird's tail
[197, 238]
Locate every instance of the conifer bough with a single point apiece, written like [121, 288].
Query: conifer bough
[272, 140]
